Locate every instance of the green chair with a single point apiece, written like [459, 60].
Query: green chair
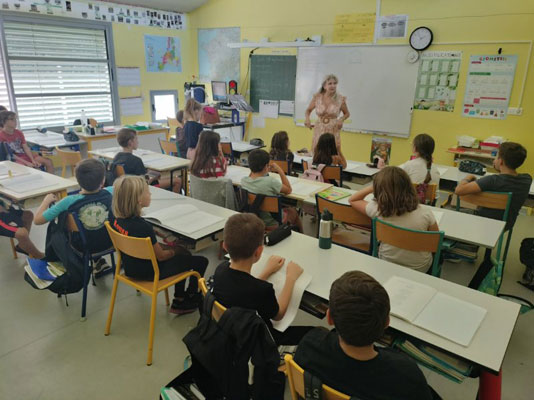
[408, 239]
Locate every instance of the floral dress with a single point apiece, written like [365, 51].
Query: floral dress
[327, 115]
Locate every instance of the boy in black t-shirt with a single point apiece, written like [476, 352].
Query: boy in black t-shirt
[236, 287]
[346, 359]
[132, 164]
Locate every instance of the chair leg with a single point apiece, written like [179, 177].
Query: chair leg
[151, 328]
[111, 305]
[167, 297]
[15, 255]
[86, 273]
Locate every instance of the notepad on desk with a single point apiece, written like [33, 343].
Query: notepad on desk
[25, 183]
[183, 218]
[427, 308]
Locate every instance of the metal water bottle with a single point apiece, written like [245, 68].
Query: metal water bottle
[325, 230]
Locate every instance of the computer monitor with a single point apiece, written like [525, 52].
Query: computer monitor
[218, 88]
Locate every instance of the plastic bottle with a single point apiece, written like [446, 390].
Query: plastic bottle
[83, 121]
[325, 230]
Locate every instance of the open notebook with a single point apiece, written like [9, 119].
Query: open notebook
[425, 307]
[183, 218]
[26, 183]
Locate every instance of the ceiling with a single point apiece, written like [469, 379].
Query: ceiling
[166, 5]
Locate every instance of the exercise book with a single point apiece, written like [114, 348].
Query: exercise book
[182, 218]
[26, 183]
[427, 308]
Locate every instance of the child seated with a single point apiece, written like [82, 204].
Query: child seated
[209, 161]
[395, 201]
[420, 168]
[280, 149]
[130, 195]
[260, 182]
[235, 287]
[346, 359]
[17, 224]
[192, 127]
[17, 143]
[92, 204]
[328, 152]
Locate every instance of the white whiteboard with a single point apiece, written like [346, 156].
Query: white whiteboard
[378, 81]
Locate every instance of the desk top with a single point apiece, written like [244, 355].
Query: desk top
[353, 167]
[162, 198]
[152, 160]
[241, 147]
[44, 182]
[49, 139]
[112, 134]
[490, 342]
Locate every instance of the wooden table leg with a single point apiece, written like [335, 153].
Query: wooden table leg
[489, 386]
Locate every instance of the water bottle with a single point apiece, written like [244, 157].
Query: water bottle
[325, 230]
[83, 121]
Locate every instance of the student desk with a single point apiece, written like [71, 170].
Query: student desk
[153, 160]
[488, 347]
[202, 238]
[148, 139]
[353, 167]
[32, 197]
[303, 189]
[49, 140]
[243, 147]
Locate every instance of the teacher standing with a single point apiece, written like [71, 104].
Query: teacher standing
[328, 105]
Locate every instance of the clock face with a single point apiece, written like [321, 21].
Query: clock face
[421, 38]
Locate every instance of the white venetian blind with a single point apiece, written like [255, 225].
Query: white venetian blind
[4, 98]
[56, 72]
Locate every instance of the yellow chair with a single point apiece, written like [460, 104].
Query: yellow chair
[218, 309]
[141, 248]
[68, 158]
[329, 172]
[167, 147]
[12, 242]
[296, 383]
[347, 215]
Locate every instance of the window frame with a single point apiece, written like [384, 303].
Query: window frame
[6, 16]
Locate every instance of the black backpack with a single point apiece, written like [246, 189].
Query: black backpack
[526, 252]
[472, 167]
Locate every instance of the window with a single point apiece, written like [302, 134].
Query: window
[58, 70]
[164, 104]
[4, 93]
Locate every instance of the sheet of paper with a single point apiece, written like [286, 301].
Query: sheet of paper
[269, 108]
[354, 28]
[129, 76]
[173, 212]
[197, 221]
[442, 170]
[438, 215]
[26, 183]
[451, 318]
[391, 26]
[159, 162]
[258, 121]
[131, 106]
[305, 189]
[287, 107]
[352, 164]
[235, 173]
[407, 298]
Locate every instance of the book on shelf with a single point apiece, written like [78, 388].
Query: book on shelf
[182, 218]
[439, 313]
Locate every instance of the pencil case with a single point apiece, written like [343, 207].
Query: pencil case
[277, 235]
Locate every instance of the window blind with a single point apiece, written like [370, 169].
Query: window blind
[4, 97]
[56, 72]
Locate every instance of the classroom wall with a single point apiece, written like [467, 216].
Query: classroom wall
[451, 21]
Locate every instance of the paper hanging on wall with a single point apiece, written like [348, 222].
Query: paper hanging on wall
[269, 108]
[391, 26]
[258, 121]
[438, 80]
[131, 106]
[287, 107]
[489, 85]
[129, 76]
[354, 28]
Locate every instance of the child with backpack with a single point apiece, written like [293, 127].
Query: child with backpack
[280, 149]
[327, 152]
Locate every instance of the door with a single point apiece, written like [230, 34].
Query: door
[164, 104]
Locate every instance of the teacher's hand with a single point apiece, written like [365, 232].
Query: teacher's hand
[339, 124]
[308, 124]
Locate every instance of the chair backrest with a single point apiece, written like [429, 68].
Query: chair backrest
[269, 204]
[70, 158]
[167, 147]
[342, 212]
[228, 151]
[119, 170]
[218, 309]
[135, 247]
[329, 172]
[408, 239]
[283, 164]
[430, 193]
[296, 383]
[495, 200]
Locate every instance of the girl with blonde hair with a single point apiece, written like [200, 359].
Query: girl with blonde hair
[192, 127]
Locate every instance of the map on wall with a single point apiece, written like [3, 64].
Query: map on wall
[216, 61]
[163, 54]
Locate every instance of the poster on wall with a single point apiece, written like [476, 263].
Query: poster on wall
[216, 61]
[489, 85]
[391, 26]
[163, 54]
[98, 11]
[380, 151]
[437, 80]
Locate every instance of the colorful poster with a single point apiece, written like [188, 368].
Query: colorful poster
[437, 80]
[489, 85]
[354, 28]
[380, 151]
[163, 54]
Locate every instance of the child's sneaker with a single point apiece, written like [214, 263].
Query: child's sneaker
[183, 307]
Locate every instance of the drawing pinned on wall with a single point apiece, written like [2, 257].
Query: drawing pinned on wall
[489, 85]
[437, 80]
[163, 54]
[391, 26]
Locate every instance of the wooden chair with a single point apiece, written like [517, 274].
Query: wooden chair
[68, 158]
[270, 204]
[408, 239]
[218, 309]
[330, 172]
[172, 123]
[284, 165]
[13, 248]
[347, 215]
[141, 248]
[119, 170]
[167, 147]
[430, 193]
[228, 151]
[295, 375]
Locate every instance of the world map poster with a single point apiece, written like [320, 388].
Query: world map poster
[163, 54]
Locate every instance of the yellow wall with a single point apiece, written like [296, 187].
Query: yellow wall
[130, 52]
[451, 21]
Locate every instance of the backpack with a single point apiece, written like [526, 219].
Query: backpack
[245, 207]
[472, 167]
[421, 192]
[314, 173]
[526, 252]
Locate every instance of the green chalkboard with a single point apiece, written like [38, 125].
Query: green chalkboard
[272, 78]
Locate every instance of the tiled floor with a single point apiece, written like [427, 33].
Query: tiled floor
[46, 353]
